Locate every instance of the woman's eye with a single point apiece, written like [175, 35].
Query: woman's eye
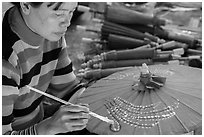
[71, 12]
[58, 14]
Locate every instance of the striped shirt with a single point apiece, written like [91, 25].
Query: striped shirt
[29, 59]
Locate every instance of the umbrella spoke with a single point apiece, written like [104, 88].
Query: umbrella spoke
[192, 101]
[99, 124]
[158, 125]
[194, 111]
[192, 91]
[193, 86]
[93, 124]
[138, 99]
[110, 83]
[103, 91]
[96, 105]
[129, 96]
[183, 82]
[146, 98]
[200, 114]
[186, 116]
[96, 97]
[188, 106]
[183, 125]
[185, 93]
[166, 101]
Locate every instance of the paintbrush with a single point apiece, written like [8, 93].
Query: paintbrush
[105, 119]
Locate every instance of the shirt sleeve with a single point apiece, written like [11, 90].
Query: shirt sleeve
[10, 83]
[64, 78]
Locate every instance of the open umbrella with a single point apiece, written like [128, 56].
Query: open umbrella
[164, 99]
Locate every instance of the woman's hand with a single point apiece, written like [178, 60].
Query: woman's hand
[67, 119]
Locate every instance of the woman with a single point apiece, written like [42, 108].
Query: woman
[34, 54]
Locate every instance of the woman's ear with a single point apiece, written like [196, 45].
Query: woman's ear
[25, 7]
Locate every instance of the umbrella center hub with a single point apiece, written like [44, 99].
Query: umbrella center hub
[148, 80]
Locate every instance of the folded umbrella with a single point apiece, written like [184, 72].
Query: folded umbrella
[113, 28]
[129, 54]
[167, 34]
[100, 73]
[154, 30]
[127, 16]
[164, 99]
[181, 36]
[146, 53]
[194, 52]
[121, 63]
[120, 42]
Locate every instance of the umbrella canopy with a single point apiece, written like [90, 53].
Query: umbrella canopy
[164, 99]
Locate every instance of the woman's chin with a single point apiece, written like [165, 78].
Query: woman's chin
[53, 39]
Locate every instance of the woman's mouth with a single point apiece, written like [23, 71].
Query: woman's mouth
[60, 33]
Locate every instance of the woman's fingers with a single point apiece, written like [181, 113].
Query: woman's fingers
[77, 122]
[74, 115]
[75, 108]
[77, 127]
[82, 104]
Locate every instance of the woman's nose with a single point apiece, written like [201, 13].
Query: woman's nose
[66, 21]
[65, 24]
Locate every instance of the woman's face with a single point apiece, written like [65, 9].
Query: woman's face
[51, 20]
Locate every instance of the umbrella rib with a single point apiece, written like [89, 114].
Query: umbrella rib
[96, 109]
[183, 125]
[103, 92]
[185, 105]
[183, 86]
[110, 86]
[140, 104]
[159, 128]
[158, 125]
[96, 126]
[191, 108]
[118, 93]
[182, 92]
[180, 81]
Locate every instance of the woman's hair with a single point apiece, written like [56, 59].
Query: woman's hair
[33, 4]
[37, 4]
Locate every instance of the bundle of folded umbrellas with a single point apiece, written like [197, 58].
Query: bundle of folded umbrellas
[129, 38]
